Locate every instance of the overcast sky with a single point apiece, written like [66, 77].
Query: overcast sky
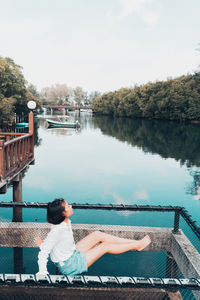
[100, 44]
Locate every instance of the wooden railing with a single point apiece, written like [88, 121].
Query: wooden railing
[7, 136]
[16, 151]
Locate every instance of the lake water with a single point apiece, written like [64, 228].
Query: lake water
[118, 161]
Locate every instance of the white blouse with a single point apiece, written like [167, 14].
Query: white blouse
[59, 243]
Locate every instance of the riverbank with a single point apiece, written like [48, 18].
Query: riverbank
[175, 99]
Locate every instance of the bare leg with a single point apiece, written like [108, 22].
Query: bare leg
[96, 237]
[95, 253]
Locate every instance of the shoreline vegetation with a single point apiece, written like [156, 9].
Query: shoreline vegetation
[174, 99]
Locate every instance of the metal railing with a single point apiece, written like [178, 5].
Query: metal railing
[120, 283]
[178, 211]
[99, 281]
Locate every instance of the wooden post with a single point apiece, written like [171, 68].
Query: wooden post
[31, 130]
[17, 217]
[2, 160]
[31, 123]
[17, 197]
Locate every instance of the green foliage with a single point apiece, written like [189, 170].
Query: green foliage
[32, 89]
[6, 110]
[174, 99]
[13, 92]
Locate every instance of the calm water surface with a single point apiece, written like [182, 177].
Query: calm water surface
[119, 161]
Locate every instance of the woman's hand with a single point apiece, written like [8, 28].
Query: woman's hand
[38, 241]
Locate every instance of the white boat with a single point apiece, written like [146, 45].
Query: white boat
[53, 123]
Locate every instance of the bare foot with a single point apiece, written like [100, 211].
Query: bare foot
[144, 242]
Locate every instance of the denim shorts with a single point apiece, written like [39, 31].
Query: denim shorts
[75, 264]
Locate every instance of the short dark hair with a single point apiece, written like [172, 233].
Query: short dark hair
[55, 211]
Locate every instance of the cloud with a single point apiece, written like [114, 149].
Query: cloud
[41, 181]
[120, 200]
[27, 27]
[141, 195]
[126, 213]
[130, 6]
[138, 7]
[150, 17]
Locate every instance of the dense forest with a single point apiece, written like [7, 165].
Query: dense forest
[174, 99]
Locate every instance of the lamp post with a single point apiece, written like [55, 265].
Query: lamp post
[31, 105]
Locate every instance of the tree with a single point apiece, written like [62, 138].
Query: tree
[92, 96]
[174, 99]
[59, 94]
[6, 111]
[79, 95]
[33, 90]
[14, 94]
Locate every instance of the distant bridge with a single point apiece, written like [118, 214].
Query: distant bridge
[66, 107]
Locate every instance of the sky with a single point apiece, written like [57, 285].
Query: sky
[100, 45]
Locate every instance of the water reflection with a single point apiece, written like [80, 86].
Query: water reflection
[179, 141]
[168, 139]
[193, 188]
[119, 173]
[62, 131]
[95, 168]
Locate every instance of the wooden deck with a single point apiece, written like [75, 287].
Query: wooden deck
[19, 235]
[16, 154]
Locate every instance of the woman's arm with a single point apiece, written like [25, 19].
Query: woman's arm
[45, 248]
